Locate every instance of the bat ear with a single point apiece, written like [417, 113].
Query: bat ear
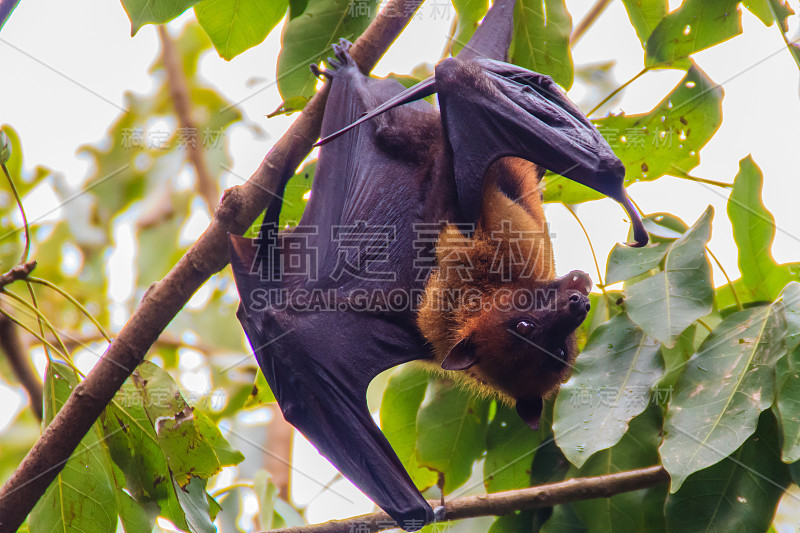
[462, 356]
[530, 411]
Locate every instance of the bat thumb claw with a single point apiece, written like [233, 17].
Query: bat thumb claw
[439, 513]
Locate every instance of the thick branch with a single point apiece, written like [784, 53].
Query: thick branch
[162, 302]
[503, 503]
[21, 365]
[182, 102]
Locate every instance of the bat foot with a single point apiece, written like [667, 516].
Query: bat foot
[342, 53]
[439, 513]
[319, 73]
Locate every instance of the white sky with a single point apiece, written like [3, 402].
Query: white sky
[66, 65]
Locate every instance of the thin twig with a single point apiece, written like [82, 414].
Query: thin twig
[616, 91]
[503, 503]
[17, 198]
[587, 21]
[182, 102]
[162, 302]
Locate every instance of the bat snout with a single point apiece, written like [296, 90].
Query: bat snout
[578, 304]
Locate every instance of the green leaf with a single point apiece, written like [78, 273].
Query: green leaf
[737, 494]
[308, 38]
[297, 194]
[470, 13]
[665, 304]
[724, 388]
[510, 448]
[754, 231]
[452, 433]
[82, 497]
[261, 392]
[626, 512]
[541, 39]
[626, 262]
[664, 227]
[769, 11]
[5, 148]
[238, 25]
[667, 140]
[141, 12]
[787, 401]
[610, 385]
[694, 26]
[399, 407]
[645, 16]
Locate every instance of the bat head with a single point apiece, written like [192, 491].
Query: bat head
[522, 344]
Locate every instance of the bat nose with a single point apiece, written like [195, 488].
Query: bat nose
[579, 304]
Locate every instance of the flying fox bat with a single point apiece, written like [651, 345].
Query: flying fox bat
[423, 239]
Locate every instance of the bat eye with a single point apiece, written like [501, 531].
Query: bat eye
[524, 328]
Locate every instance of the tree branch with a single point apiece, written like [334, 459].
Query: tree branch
[503, 503]
[21, 365]
[182, 102]
[20, 271]
[162, 302]
[587, 21]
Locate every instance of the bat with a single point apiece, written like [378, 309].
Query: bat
[423, 239]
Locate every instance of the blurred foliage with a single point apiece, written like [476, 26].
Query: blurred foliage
[673, 371]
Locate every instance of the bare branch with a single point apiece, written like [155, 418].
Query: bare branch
[587, 21]
[182, 102]
[162, 302]
[20, 271]
[503, 503]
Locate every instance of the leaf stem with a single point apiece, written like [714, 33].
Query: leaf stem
[730, 283]
[41, 317]
[600, 282]
[616, 91]
[27, 249]
[74, 302]
[705, 325]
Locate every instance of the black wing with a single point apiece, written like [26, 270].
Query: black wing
[314, 299]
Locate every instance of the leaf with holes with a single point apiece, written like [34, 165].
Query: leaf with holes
[666, 140]
[609, 387]
[694, 26]
[724, 388]
[667, 303]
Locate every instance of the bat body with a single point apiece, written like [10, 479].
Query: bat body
[396, 256]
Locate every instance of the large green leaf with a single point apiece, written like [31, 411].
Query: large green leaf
[665, 304]
[754, 231]
[694, 26]
[82, 497]
[629, 511]
[308, 38]
[724, 388]
[610, 385]
[541, 39]
[626, 262]
[510, 448]
[141, 12]
[238, 25]
[470, 13]
[739, 493]
[451, 433]
[787, 401]
[667, 140]
[645, 16]
[399, 407]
